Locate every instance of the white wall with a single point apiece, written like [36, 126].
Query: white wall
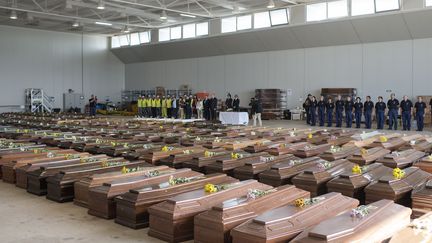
[403, 67]
[52, 60]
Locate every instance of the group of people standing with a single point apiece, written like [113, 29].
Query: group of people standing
[185, 107]
[323, 110]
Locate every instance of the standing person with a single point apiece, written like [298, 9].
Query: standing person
[358, 108]
[174, 108]
[213, 107]
[321, 111]
[368, 108]
[164, 107]
[188, 107]
[148, 107]
[306, 106]
[139, 105]
[393, 107]
[182, 107]
[229, 103]
[420, 107]
[144, 105]
[194, 104]
[329, 109]
[206, 108]
[236, 103]
[153, 107]
[158, 106]
[169, 106]
[199, 108]
[406, 111]
[312, 111]
[349, 105]
[92, 105]
[380, 107]
[339, 110]
[256, 110]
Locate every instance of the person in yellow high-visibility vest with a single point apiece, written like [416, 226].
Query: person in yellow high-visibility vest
[153, 102]
[139, 104]
[164, 107]
[143, 106]
[169, 105]
[158, 106]
[148, 106]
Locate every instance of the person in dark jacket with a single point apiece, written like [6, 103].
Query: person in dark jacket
[229, 103]
[329, 110]
[213, 107]
[175, 107]
[206, 104]
[406, 111]
[306, 106]
[349, 105]
[321, 111]
[339, 110]
[188, 107]
[236, 103]
[256, 110]
[92, 105]
[380, 107]
[368, 108]
[393, 107]
[420, 108]
[358, 109]
[312, 111]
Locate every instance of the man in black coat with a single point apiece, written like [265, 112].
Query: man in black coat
[306, 106]
[206, 107]
[213, 107]
[236, 103]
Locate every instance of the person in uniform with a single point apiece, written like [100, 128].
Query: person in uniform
[169, 106]
[420, 107]
[236, 103]
[380, 107]
[393, 107]
[188, 107]
[321, 111]
[406, 111]
[148, 106]
[144, 105]
[306, 106]
[206, 108]
[153, 107]
[358, 109]
[368, 108]
[312, 111]
[164, 107]
[158, 106]
[329, 110]
[339, 110]
[349, 105]
[139, 105]
[229, 103]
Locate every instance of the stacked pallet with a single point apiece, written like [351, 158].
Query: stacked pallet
[274, 102]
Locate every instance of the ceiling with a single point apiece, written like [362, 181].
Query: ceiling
[138, 15]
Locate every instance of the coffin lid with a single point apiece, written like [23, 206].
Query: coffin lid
[390, 179]
[315, 170]
[287, 164]
[367, 169]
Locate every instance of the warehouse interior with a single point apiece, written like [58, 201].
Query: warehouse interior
[97, 90]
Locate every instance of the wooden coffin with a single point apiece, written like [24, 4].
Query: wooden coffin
[227, 164]
[82, 187]
[392, 144]
[60, 187]
[199, 162]
[418, 231]
[173, 220]
[401, 159]
[251, 169]
[398, 190]
[282, 173]
[241, 144]
[101, 199]
[215, 225]
[339, 141]
[146, 148]
[422, 145]
[285, 223]
[262, 146]
[422, 199]
[177, 160]
[336, 152]
[425, 164]
[131, 207]
[285, 148]
[314, 179]
[311, 150]
[8, 169]
[154, 156]
[353, 184]
[21, 172]
[384, 219]
[368, 156]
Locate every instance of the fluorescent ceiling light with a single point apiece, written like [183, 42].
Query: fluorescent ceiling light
[271, 4]
[187, 15]
[75, 24]
[101, 5]
[163, 15]
[126, 29]
[103, 23]
[13, 15]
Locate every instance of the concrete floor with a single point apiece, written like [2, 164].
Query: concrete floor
[28, 218]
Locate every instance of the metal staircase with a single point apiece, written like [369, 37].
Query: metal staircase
[37, 101]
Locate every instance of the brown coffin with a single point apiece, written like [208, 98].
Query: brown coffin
[422, 199]
[315, 179]
[177, 160]
[8, 169]
[82, 187]
[425, 164]
[285, 223]
[241, 144]
[415, 232]
[370, 156]
[227, 164]
[199, 162]
[398, 190]
[155, 155]
[335, 153]
[282, 173]
[311, 150]
[215, 225]
[251, 169]
[101, 198]
[60, 188]
[286, 148]
[401, 159]
[262, 146]
[172, 220]
[131, 208]
[422, 145]
[137, 152]
[384, 219]
[393, 143]
[352, 185]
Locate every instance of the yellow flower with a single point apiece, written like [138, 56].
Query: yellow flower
[165, 148]
[383, 139]
[210, 188]
[398, 173]
[356, 169]
[124, 170]
[299, 202]
[309, 135]
[363, 151]
[282, 145]
[236, 156]
[160, 127]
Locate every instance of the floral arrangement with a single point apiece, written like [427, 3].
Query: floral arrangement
[187, 151]
[292, 134]
[398, 173]
[87, 160]
[395, 153]
[301, 202]
[125, 170]
[198, 139]
[209, 154]
[363, 151]
[361, 211]
[295, 161]
[257, 193]
[51, 155]
[166, 148]
[422, 224]
[147, 146]
[176, 181]
[217, 140]
[310, 136]
[282, 145]
[236, 156]
[253, 133]
[383, 139]
[430, 157]
[357, 169]
[324, 165]
[210, 188]
[267, 158]
[105, 163]
[72, 156]
[335, 149]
